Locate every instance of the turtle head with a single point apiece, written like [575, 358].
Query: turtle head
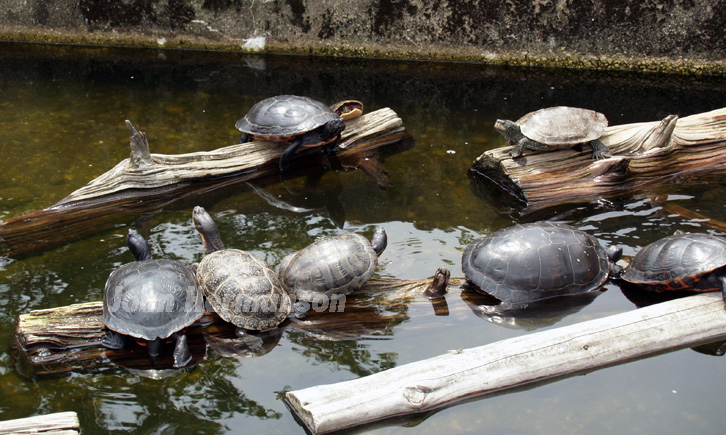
[614, 254]
[204, 224]
[138, 245]
[379, 240]
[503, 126]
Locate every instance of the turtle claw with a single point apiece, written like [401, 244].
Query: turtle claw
[113, 340]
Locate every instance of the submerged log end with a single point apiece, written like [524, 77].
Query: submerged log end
[140, 153]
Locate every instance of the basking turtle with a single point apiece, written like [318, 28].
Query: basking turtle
[555, 128]
[681, 262]
[150, 301]
[299, 121]
[240, 286]
[331, 266]
[531, 262]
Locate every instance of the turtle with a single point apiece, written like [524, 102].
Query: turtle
[331, 266]
[531, 262]
[555, 128]
[239, 285]
[298, 121]
[151, 300]
[681, 262]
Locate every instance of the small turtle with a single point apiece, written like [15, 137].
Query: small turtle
[531, 262]
[681, 262]
[299, 121]
[240, 286]
[331, 266]
[151, 300]
[555, 128]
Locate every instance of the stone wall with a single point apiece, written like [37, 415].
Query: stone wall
[654, 35]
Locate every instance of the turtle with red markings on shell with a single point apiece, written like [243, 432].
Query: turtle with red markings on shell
[681, 262]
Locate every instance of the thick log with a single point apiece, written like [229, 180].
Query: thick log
[63, 339]
[644, 154]
[145, 183]
[537, 357]
[60, 423]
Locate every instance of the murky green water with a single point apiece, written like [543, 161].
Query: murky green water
[62, 115]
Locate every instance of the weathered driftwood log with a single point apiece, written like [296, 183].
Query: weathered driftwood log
[62, 339]
[59, 423]
[643, 154]
[145, 183]
[537, 357]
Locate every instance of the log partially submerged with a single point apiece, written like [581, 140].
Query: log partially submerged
[644, 154]
[538, 357]
[59, 423]
[64, 339]
[145, 182]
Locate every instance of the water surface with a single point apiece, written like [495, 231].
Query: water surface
[62, 115]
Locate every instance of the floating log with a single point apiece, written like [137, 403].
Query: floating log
[145, 183]
[63, 339]
[538, 357]
[644, 154]
[59, 423]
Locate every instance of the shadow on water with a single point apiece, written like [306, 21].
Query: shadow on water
[61, 116]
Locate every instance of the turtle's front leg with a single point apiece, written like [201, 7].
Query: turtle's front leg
[182, 355]
[113, 340]
[527, 144]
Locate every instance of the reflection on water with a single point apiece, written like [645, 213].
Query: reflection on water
[62, 115]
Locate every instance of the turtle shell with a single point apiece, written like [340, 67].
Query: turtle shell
[531, 262]
[336, 265]
[563, 125]
[678, 262]
[243, 289]
[151, 299]
[284, 117]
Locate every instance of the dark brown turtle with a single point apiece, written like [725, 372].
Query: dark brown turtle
[555, 128]
[240, 286]
[681, 262]
[299, 121]
[151, 301]
[531, 262]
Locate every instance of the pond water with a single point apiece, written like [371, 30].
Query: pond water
[62, 113]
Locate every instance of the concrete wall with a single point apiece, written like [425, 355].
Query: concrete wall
[655, 35]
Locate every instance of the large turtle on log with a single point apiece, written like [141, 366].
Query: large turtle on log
[298, 121]
[555, 128]
[681, 262]
[151, 301]
[526, 263]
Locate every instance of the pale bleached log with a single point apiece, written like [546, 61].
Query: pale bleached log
[547, 355]
[60, 423]
[644, 154]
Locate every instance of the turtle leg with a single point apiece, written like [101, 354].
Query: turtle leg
[599, 150]
[723, 287]
[182, 355]
[154, 349]
[289, 151]
[113, 340]
[527, 144]
[244, 138]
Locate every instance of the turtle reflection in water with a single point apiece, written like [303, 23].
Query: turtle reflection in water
[299, 121]
[533, 262]
[555, 128]
[150, 301]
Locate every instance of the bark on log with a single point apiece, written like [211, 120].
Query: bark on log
[60, 423]
[644, 154]
[537, 357]
[145, 182]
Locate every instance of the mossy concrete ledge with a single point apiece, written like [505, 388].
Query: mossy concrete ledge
[659, 36]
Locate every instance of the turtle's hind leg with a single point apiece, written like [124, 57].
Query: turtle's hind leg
[182, 355]
[600, 150]
[244, 138]
[113, 340]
